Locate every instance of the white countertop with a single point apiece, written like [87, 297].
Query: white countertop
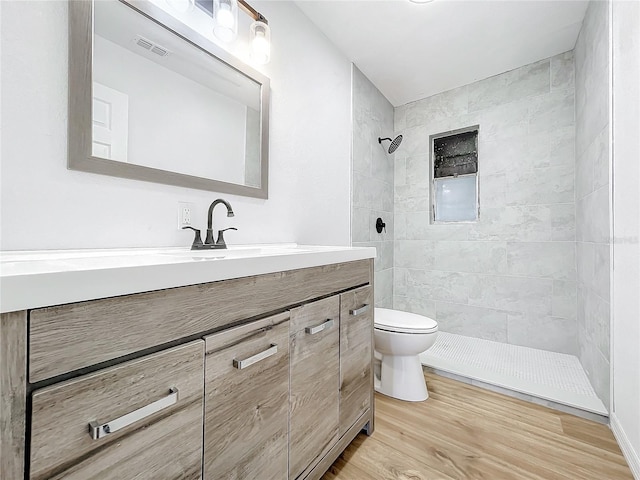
[31, 279]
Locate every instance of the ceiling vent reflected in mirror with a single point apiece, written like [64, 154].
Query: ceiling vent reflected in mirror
[151, 46]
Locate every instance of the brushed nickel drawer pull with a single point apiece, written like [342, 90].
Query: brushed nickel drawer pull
[319, 328]
[247, 362]
[364, 308]
[102, 430]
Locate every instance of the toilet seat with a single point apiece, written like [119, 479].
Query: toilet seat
[403, 322]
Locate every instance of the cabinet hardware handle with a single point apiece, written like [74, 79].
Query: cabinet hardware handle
[98, 430]
[247, 362]
[360, 310]
[319, 328]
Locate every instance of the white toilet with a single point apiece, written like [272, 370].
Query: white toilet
[400, 337]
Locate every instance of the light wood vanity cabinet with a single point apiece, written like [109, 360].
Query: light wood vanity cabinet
[246, 401]
[331, 376]
[141, 419]
[356, 351]
[315, 382]
[265, 377]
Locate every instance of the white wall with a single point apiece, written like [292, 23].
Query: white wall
[625, 418]
[46, 206]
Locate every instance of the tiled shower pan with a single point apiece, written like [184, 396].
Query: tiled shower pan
[549, 378]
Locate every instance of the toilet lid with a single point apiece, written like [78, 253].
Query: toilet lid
[403, 322]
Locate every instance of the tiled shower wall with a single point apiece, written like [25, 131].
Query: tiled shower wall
[511, 276]
[372, 187]
[592, 195]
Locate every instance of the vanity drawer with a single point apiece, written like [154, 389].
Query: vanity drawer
[315, 374]
[147, 414]
[69, 337]
[246, 401]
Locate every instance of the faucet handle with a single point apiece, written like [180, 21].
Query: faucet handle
[220, 240]
[197, 240]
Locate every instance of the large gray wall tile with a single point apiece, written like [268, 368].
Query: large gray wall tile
[372, 180]
[547, 185]
[592, 194]
[513, 294]
[470, 257]
[543, 332]
[526, 167]
[564, 300]
[360, 225]
[383, 286]
[453, 103]
[473, 321]
[599, 150]
[400, 172]
[527, 81]
[419, 305]
[592, 217]
[444, 286]
[530, 223]
[552, 112]
[563, 72]
[598, 370]
[563, 222]
[555, 260]
[414, 254]
[602, 270]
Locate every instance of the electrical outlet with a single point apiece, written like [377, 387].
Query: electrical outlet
[185, 213]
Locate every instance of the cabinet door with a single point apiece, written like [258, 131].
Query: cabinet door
[246, 400]
[138, 420]
[356, 340]
[315, 374]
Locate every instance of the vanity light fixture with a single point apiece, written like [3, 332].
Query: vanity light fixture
[225, 19]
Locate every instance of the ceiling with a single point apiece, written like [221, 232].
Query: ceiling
[411, 51]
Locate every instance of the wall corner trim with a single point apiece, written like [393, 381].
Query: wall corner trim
[632, 457]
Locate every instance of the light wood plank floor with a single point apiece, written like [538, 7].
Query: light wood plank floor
[464, 432]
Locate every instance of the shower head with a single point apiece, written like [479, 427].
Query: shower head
[395, 143]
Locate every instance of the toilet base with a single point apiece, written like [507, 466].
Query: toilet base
[401, 377]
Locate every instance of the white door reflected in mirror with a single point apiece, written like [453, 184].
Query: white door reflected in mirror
[110, 123]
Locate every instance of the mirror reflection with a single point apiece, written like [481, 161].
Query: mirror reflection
[159, 101]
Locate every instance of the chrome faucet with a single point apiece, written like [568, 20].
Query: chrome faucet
[209, 244]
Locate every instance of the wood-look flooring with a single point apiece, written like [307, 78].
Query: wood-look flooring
[465, 432]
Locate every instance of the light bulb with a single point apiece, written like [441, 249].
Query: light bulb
[260, 45]
[225, 16]
[260, 42]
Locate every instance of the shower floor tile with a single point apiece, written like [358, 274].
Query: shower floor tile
[551, 376]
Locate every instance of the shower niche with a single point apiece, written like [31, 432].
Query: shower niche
[454, 176]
